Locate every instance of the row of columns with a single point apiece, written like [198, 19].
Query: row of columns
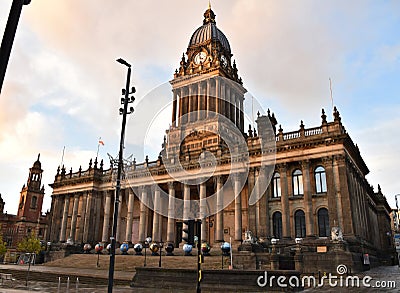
[87, 206]
[200, 99]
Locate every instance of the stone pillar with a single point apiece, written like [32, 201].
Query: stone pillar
[308, 205]
[190, 106]
[219, 225]
[118, 234]
[180, 106]
[284, 201]
[208, 86]
[143, 215]
[129, 217]
[74, 217]
[156, 216]
[203, 210]
[338, 194]
[217, 110]
[264, 211]
[257, 205]
[171, 213]
[238, 209]
[199, 100]
[88, 216]
[174, 105]
[241, 115]
[186, 208]
[64, 219]
[83, 216]
[106, 220]
[237, 109]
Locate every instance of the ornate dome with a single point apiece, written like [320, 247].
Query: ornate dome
[209, 31]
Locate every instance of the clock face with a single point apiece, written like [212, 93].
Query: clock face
[224, 61]
[200, 57]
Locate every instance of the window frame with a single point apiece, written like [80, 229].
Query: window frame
[320, 180]
[300, 224]
[276, 185]
[325, 225]
[277, 224]
[297, 183]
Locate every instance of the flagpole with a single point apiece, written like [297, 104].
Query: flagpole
[62, 157]
[98, 146]
[330, 88]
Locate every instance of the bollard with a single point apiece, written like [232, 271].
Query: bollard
[67, 285]
[59, 284]
[77, 285]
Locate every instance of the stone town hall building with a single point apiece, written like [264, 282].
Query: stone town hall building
[317, 181]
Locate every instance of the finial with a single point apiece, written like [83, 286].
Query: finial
[258, 114]
[209, 4]
[323, 116]
[38, 157]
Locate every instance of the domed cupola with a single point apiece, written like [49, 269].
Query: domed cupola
[209, 32]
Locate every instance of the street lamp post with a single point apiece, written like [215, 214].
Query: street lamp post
[122, 111]
[9, 34]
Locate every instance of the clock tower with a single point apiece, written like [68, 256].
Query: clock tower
[208, 94]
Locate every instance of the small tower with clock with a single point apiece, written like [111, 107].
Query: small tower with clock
[206, 86]
[31, 196]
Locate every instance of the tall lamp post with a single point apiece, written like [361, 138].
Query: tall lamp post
[9, 34]
[122, 111]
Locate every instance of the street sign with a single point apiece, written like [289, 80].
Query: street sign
[397, 241]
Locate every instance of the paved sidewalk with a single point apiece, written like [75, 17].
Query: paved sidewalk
[51, 284]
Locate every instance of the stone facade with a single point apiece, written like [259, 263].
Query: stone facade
[316, 180]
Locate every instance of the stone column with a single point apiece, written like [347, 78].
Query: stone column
[284, 201]
[106, 220]
[190, 106]
[118, 234]
[257, 205]
[208, 86]
[82, 217]
[129, 216]
[241, 114]
[338, 194]
[174, 105]
[203, 210]
[156, 215]
[238, 209]
[308, 205]
[219, 225]
[74, 217]
[171, 213]
[237, 109]
[143, 215]
[64, 219]
[180, 106]
[88, 216]
[264, 189]
[217, 102]
[186, 208]
[199, 99]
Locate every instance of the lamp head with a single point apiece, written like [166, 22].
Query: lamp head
[122, 61]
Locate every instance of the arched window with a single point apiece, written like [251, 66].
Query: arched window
[277, 224]
[276, 185]
[300, 224]
[323, 222]
[320, 179]
[297, 182]
[33, 202]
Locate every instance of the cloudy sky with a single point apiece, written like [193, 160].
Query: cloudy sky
[62, 87]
